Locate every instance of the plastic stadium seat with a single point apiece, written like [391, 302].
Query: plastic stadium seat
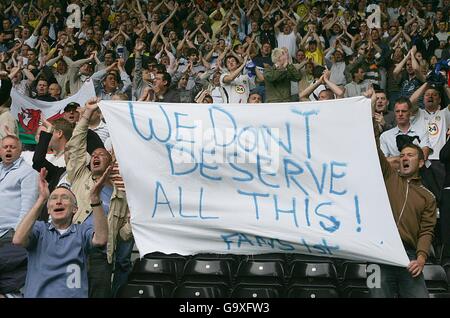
[433, 256]
[311, 292]
[200, 291]
[146, 290]
[446, 266]
[214, 271]
[439, 295]
[259, 279]
[228, 257]
[435, 278]
[176, 259]
[355, 272]
[154, 270]
[257, 291]
[278, 257]
[260, 272]
[313, 280]
[354, 283]
[293, 258]
[311, 273]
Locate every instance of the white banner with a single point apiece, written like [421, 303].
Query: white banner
[252, 179]
[28, 110]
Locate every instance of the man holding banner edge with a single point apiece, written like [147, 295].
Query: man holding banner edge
[414, 211]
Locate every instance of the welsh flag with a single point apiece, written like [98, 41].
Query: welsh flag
[28, 111]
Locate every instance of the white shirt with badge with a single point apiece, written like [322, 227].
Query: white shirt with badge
[436, 124]
[237, 91]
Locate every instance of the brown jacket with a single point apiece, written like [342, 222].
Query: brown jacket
[81, 183]
[416, 226]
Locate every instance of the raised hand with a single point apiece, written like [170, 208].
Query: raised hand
[379, 118]
[44, 14]
[8, 131]
[121, 63]
[139, 47]
[98, 185]
[45, 122]
[44, 192]
[92, 103]
[146, 95]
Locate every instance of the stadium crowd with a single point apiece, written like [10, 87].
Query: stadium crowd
[54, 210]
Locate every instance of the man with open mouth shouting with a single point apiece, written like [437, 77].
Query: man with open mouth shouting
[414, 210]
[111, 198]
[18, 192]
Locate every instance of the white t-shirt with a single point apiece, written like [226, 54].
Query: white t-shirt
[57, 161]
[217, 96]
[436, 124]
[61, 232]
[237, 91]
[289, 41]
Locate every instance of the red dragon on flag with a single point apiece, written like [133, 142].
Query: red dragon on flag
[29, 119]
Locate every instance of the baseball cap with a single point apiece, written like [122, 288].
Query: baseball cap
[71, 106]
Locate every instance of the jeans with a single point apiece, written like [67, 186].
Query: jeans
[398, 282]
[99, 274]
[122, 264]
[13, 265]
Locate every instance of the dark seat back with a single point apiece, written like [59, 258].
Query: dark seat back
[209, 270]
[188, 290]
[257, 291]
[146, 290]
[435, 278]
[260, 272]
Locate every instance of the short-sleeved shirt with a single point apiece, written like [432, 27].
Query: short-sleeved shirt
[288, 41]
[409, 86]
[388, 139]
[436, 124]
[237, 91]
[57, 263]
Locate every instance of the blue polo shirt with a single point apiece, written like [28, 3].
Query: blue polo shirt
[57, 263]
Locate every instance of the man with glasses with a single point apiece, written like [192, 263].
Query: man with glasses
[55, 269]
